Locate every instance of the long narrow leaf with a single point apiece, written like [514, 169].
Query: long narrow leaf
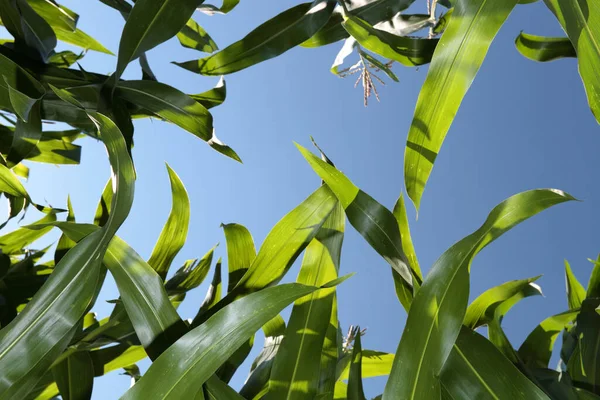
[457, 59]
[541, 48]
[439, 308]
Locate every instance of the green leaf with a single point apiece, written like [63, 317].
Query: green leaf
[536, 350]
[457, 59]
[296, 367]
[593, 289]
[257, 384]
[374, 363]
[65, 243]
[56, 15]
[191, 275]
[240, 252]
[408, 51]
[542, 48]
[407, 244]
[370, 11]
[216, 389]
[575, 291]
[227, 6]
[269, 40]
[583, 364]
[70, 289]
[37, 33]
[468, 375]
[80, 39]
[150, 23]
[499, 299]
[186, 365]
[174, 233]
[581, 20]
[288, 238]
[213, 295]
[18, 86]
[193, 36]
[65, 59]
[17, 241]
[439, 307]
[26, 136]
[355, 387]
[330, 354]
[10, 184]
[176, 107]
[213, 97]
[75, 376]
[372, 220]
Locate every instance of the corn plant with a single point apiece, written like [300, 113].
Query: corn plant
[53, 344]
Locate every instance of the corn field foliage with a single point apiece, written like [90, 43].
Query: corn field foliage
[53, 344]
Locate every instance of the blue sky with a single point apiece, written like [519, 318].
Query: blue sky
[523, 125]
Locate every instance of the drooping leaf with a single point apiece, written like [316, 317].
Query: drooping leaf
[190, 362]
[174, 233]
[408, 51]
[150, 23]
[37, 33]
[69, 290]
[193, 36]
[213, 97]
[542, 48]
[536, 350]
[174, 106]
[269, 40]
[296, 373]
[10, 184]
[26, 136]
[457, 59]
[499, 299]
[575, 291]
[370, 11]
[355, 387]
[240, 252]
[439, 308]
[581, 21]
[468, 375]
[373, 221]
[227, 6]
[75, 376]
[347, 49]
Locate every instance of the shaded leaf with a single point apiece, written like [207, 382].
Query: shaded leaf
[542, 48]
[355, 387]
[408, 51]
[75, 376]
[213, 97]
[193, 36]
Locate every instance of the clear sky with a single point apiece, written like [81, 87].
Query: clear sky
[523, 125]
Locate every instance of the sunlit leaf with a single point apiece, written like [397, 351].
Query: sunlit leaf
[542, 48]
